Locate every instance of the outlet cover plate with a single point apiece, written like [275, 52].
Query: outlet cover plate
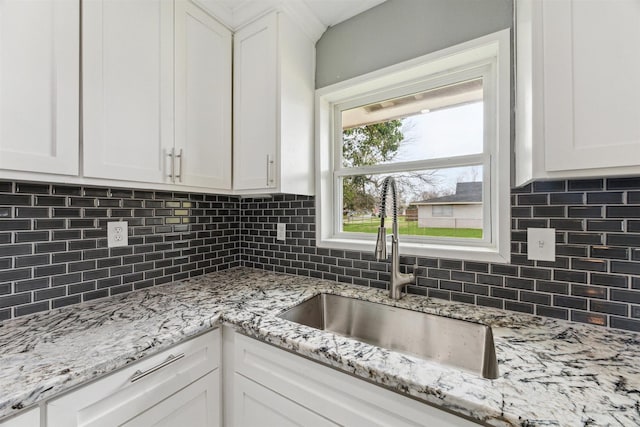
[282, 232]
[117, 234]
[541, 244]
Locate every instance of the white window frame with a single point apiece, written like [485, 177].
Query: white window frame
[488, 56]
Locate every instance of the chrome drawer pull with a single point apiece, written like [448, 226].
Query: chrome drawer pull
[138, 375]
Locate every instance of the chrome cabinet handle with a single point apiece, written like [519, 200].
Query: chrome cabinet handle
[172, 175]
[270, 163]
[179, 156]
[138, 375]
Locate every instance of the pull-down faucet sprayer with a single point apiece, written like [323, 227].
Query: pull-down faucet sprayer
[398, 280]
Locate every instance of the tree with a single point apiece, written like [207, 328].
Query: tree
[366, 146]
[371, 144]
[374, 144]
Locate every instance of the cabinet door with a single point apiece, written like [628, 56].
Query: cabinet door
[256, 405]
[255, 101]
[592, 83]
[342, 399]
[197, 405]
[127, 58]
[203, 98]
[39, 85]
[30, 418]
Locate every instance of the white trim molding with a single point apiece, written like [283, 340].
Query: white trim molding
[237, 14]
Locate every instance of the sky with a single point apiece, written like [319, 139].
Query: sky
[445, 133]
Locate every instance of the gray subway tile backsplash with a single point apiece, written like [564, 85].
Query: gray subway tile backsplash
[586, 185]
[54, 239]
[53, 248]
[595, 278]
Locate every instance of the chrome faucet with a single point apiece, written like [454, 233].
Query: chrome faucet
[398, 280]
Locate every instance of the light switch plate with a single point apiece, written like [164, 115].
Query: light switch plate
[541, 244]
[117, 234]
[282, 232]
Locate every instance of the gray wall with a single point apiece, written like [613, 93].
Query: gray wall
[398, 30]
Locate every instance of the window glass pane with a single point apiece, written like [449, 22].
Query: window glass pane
[443, 202]
[441, 122]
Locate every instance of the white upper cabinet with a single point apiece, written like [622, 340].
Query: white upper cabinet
[157, 93]
[157, 85]
[39, 85]
[592, 65]
[203, 98]
[254, 90]
[577, 85]
[127, 81]
[273, 89]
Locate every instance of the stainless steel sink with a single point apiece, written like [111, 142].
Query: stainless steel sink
[465, 345]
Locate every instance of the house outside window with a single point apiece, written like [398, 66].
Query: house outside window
[440, 125]
[459, 212]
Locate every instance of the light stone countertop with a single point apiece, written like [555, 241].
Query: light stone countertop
[552, 373]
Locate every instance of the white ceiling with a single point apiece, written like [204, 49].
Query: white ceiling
[313, 15]
[332, 12]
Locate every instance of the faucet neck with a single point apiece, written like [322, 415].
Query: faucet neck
[398, 280]
[389, 182]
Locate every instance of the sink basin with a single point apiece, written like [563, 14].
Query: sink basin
[465, 345]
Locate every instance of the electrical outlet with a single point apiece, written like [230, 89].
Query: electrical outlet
[117, 234]
[282, 232]
[541, 244]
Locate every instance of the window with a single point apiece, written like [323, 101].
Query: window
[440, 125]
[442, 210]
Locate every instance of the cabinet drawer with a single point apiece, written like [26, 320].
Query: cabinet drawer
[138, 387]
[196, 405]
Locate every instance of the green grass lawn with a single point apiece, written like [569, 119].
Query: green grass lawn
[367, 225]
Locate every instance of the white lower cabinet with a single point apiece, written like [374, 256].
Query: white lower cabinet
[256, 405]
[30, 418]
[271, 386]
[259, 385]
[179, 386]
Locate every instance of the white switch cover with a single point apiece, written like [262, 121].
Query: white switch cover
[282, 232]
[541, 244]
[117, 234]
